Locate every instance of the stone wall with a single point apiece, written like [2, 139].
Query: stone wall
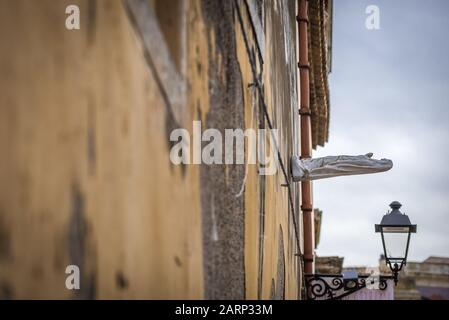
[85, 176]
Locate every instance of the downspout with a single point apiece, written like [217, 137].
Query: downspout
[306, 134]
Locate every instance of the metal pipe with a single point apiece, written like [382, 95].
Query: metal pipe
[306, 134]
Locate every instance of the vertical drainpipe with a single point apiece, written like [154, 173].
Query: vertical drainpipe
[306, 134]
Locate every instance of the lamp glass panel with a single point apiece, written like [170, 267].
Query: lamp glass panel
[395, 242]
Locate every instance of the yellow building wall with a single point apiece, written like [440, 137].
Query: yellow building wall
[85, 174]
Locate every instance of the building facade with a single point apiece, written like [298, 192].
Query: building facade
[426, 280]
[86, 177]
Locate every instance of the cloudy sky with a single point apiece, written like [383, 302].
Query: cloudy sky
[389, 95]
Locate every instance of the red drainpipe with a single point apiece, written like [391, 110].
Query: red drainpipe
[306, 134]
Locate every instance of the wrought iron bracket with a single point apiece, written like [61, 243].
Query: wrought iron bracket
[335, 287]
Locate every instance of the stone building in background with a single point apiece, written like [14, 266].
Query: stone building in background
[329, 265]
[427, 280]
[85, 123]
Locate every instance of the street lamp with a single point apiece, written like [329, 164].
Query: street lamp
[395, 229]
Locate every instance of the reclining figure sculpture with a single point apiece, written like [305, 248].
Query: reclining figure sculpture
[334, 166]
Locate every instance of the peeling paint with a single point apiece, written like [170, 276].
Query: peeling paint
[77, 245]
[5, 240]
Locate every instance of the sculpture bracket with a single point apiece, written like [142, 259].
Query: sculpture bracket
[335, 166]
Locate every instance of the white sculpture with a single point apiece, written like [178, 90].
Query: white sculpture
[334, 166]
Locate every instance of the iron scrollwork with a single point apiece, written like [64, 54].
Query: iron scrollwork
[334, 287]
